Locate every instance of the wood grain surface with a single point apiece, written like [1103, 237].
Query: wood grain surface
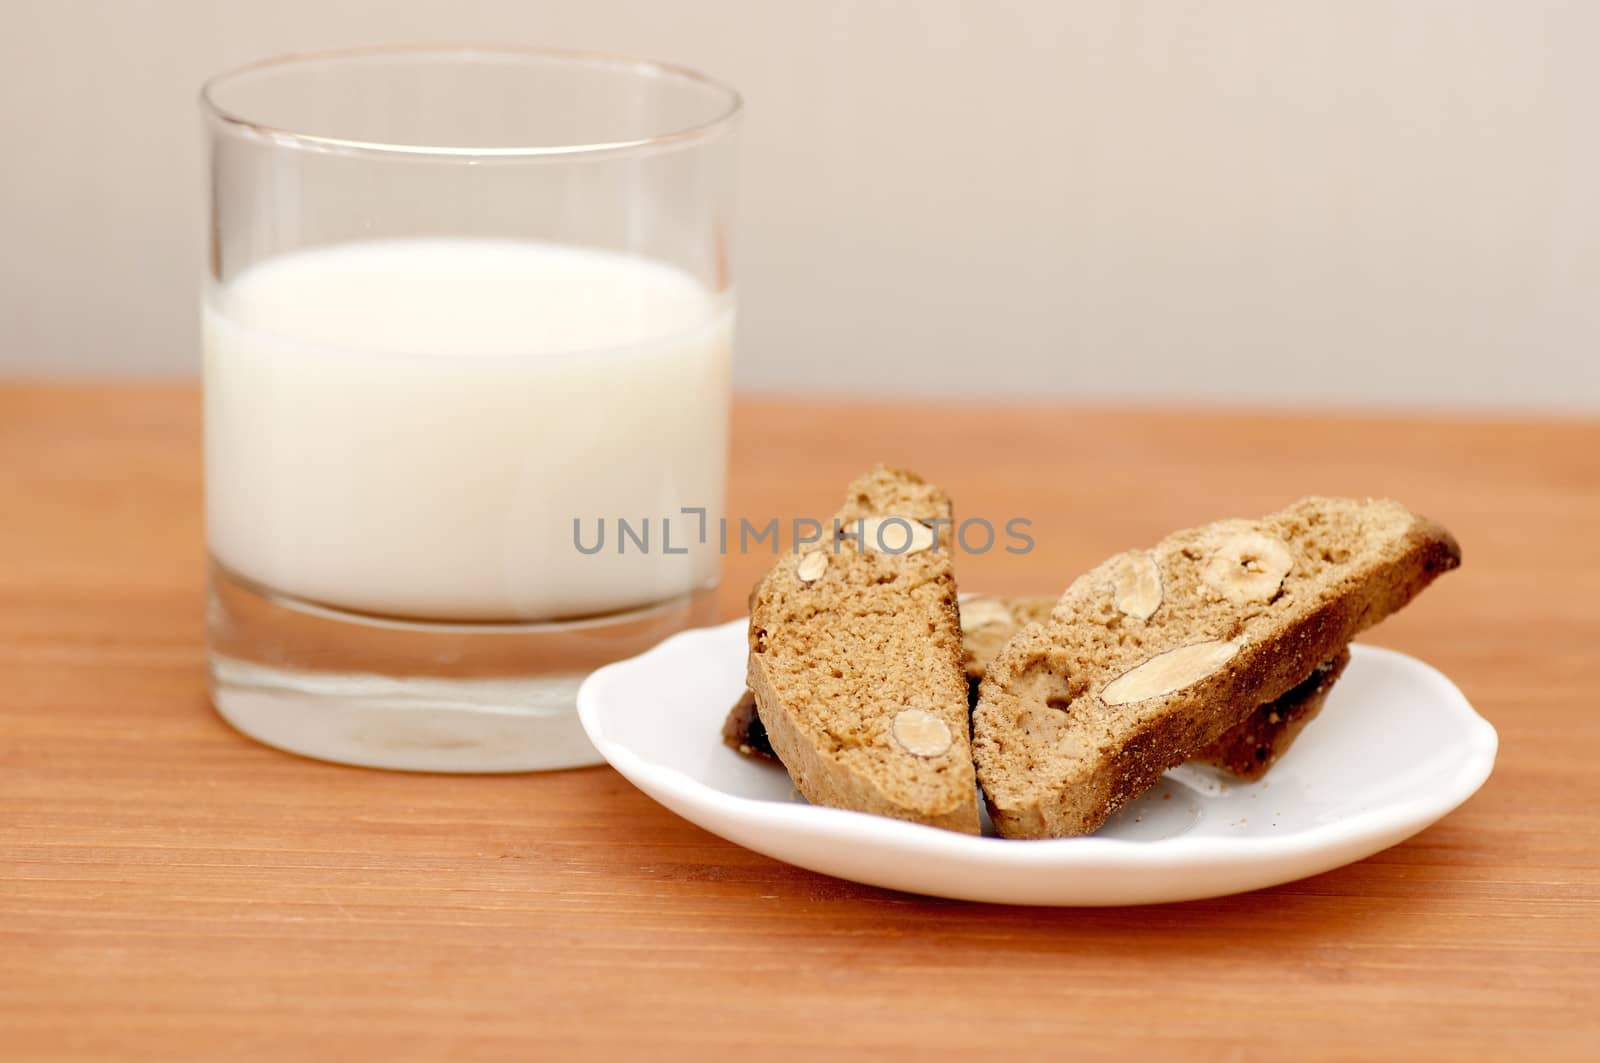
[169, 889]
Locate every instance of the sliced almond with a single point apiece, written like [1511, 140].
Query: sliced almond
[1136, 589]
[812, 566]
[895, 535]
[1168, 672]
[1248, 566]
[984, 612]
[920, 732]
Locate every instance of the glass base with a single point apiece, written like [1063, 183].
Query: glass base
[413, 695]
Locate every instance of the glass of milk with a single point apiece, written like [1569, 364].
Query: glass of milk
[467, 334]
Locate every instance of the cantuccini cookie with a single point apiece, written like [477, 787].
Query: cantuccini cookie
[855, 660]
[1154, 656]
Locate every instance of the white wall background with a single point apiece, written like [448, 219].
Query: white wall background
[1388, 203]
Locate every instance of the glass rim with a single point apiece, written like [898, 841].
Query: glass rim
[732, 102]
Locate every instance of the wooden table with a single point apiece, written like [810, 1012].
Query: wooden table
[169, 889]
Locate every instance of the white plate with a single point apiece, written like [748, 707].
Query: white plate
[1395, 748]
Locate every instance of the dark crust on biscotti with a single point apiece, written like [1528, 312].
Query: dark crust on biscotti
[833, 661]
[1115, 755]
[1256, 743]
[743, 732]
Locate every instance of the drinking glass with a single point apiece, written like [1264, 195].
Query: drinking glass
[467, 331]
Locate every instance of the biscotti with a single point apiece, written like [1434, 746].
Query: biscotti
[1155, 655]
[855, 660]
[1247, 751]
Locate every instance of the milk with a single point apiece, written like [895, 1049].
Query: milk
[411, 427]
